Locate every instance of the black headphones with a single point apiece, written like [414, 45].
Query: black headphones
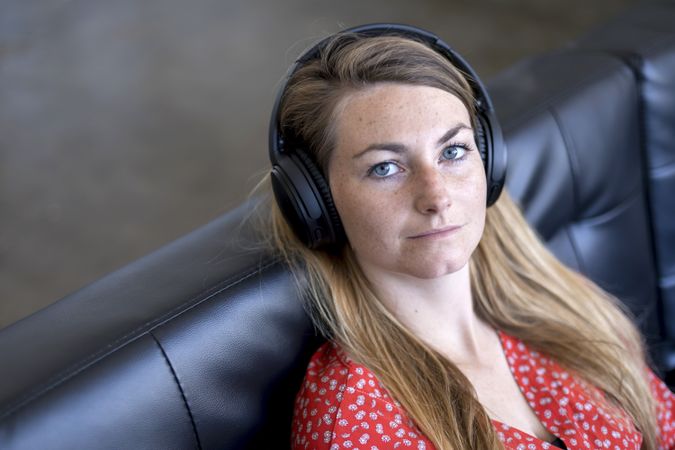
[301, 190]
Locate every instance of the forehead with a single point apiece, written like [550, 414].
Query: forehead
[389, 111]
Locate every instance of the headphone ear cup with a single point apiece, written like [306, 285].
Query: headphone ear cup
[485, 150]
[305, 200]
[481, 141]
[333, 218]
[493, 152]
[495, 164]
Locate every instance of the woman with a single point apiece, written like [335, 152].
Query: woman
[450, 325]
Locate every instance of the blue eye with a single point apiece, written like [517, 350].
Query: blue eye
[454, 151]
[384, 169]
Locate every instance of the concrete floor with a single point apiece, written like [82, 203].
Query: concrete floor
[125, 124]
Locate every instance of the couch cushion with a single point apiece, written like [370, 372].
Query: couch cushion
[572, 127]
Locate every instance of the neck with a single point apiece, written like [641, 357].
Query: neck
[439, 311]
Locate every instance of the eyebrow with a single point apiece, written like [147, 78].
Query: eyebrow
[400, 148]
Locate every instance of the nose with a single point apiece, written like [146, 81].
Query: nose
[432, 191]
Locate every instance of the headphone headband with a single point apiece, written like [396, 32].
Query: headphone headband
[301, 189]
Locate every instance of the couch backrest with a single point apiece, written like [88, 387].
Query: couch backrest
[198, 345]
[644, 40]
[576, 167]
[203, 343]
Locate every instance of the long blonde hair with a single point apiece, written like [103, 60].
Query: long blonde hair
[518, 286]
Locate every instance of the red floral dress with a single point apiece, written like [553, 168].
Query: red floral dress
[342, 405]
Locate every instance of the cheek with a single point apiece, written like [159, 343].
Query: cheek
[362, 214]
[478, 204]
[475, 186]
[367, 215]
[479, 212]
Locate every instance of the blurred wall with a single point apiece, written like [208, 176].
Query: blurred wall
[125, 124]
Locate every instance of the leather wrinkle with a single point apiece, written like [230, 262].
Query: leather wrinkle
[575, 247]
[612, 212]
[82, 365]
[180, 389]
[667, 281]
[664, 171]
[574, 173]
[570, 148]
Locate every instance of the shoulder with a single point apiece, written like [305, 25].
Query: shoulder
[665, 410]
[342, 404]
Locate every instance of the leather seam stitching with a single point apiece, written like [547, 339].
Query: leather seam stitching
[83, 364]
[180, 389]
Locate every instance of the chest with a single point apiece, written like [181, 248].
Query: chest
[504, 400]
[531, 400]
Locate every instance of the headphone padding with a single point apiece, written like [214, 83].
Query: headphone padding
[321, 184]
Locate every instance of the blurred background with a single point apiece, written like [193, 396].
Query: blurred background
[125, 124]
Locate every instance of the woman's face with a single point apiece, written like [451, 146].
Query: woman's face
[408, 180]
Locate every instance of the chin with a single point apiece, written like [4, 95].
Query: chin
[421, 265]
[430, 272]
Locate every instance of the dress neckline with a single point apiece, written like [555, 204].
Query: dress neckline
[503, 339]
[515, 342]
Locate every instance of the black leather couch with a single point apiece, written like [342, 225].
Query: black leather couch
[203, 343]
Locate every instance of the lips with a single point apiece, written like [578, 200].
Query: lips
[437, 233]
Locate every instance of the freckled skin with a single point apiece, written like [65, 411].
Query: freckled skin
[427, 192]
